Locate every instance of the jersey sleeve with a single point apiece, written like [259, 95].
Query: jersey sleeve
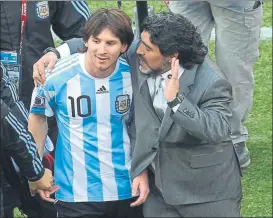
[43, 100]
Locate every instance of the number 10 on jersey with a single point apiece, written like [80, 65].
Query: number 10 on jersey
[77, 103]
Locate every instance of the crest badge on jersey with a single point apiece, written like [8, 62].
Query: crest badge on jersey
[122, 103]
[42, 10]
[39, 101]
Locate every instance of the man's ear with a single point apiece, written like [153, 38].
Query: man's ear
[169, 58]
[123, 48]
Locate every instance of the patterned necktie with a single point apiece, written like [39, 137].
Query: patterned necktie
[158, 97]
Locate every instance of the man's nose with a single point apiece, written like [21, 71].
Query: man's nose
[102, 48]
[139, 50]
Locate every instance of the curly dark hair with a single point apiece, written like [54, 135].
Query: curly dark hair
[175, 33]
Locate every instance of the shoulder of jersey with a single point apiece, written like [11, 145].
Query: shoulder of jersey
[63, 65]
[124, 66]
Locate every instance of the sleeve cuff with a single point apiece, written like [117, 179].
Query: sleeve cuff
[38, 177]
[64, 50]
[175, 108]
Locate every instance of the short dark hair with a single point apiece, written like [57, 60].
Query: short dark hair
[174, 33]
[117, 21]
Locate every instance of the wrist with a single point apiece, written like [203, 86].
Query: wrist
[54, 50]
[38, 177]
[176, 101]
[171, 98]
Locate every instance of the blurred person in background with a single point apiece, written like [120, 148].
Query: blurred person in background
[25, 34]
[17, 143]
[237, 35]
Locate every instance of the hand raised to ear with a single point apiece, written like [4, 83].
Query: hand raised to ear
[172, 83]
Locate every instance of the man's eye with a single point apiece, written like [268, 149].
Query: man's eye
[110, 43]
[96, 41]
[147, 49]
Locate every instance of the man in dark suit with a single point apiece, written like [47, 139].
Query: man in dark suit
[183, 121]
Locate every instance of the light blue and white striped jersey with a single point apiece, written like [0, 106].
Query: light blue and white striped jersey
[93, 154]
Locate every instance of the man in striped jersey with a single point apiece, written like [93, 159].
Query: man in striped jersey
[91, 96]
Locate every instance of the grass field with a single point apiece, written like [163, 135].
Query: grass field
[257, 179]
[160, 6]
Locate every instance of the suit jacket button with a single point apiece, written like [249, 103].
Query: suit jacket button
[153, 149]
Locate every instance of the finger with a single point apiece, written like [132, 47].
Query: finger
[51, 66]
[36, 75]
[32, 192]
[143, 193]
[135, 186]
[47, 194]
[54, 189]
[43, 74]
[43, 197]
[139, 200]
[41, 71]
[175, 68]
[49, 200]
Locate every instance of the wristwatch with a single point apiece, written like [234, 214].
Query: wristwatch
[178, 100]
[54, 50]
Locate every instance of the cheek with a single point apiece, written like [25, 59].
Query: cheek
[91, 48]
[154, 61]
[114, 53]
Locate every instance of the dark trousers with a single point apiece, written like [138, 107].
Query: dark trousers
[107, 209]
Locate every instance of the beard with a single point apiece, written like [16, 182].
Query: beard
[166, 66]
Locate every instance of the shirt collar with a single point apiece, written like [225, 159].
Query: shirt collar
[180, 72]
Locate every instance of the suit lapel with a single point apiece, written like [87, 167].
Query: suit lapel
[185, 81]
[144, 92]
[141, 78]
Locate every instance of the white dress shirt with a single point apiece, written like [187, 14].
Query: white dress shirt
[156, 87]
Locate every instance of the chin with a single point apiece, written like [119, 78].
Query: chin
[102, 67]
[145, 71]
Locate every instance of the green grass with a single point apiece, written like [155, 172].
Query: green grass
[267, 14]
[257, 179]
[160, 6]
[126, 6]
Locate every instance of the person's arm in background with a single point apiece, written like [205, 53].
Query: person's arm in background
[67, 23]
[69, 18]
[18, 143]
[12, 100]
